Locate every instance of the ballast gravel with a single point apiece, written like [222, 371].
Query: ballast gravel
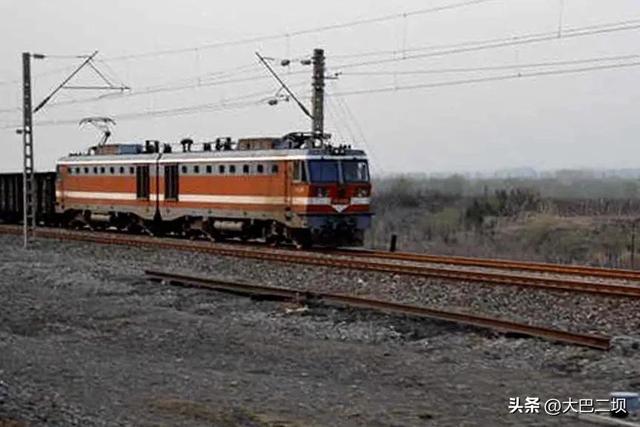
[86, 340]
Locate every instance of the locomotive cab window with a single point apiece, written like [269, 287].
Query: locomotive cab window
[324, 171]
[355, 171]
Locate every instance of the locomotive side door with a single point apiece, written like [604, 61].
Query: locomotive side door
[143, 191]
[59, 190]
[171, 189]
[288, 198]
[296, 183]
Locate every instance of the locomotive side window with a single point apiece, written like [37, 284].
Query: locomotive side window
[260, 168]
[196, 169]
[209, 169]
[355, 171]
[95, 171]
[299, 171]
[121, 170]
[274, 168]
[324, 171]
[232, 168]
[131, 171]
[102, 170]
[183, 169]
[112, 170]
[245, 169]
[77, 171]
[221, 169]
[86, 170]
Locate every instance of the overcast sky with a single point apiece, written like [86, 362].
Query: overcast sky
[573, 120]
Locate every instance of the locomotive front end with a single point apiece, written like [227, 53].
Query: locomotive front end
[335, 208]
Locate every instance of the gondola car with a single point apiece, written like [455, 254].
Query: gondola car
[289, 189]
[11, 197]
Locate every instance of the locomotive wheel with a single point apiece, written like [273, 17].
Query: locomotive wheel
[301, 239]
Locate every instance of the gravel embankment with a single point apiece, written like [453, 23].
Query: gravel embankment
[85, 340]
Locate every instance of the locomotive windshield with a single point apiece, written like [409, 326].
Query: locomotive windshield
[355, 171]
[323, 171]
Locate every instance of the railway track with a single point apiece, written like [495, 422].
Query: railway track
[339, 261]
[311, 298]
[538, 267]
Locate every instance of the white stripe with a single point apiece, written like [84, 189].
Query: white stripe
[98, 162]
[178, 160]
[96, 195]
[361, 200]
[257, 159]
[206, 198]
[310, 201]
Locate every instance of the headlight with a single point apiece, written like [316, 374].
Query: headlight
[362, 192]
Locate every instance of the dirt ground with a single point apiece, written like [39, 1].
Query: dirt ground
[85, 340]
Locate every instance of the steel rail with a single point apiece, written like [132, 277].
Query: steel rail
[541, 267]
[311, 297]
[319, 259]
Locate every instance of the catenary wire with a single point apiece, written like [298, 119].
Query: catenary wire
[485, 79]
[324, 28]
[492, 67]
[491, 45]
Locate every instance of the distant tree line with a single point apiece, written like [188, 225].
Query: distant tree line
[548, 219]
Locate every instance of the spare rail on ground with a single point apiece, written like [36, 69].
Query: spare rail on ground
[311, 297]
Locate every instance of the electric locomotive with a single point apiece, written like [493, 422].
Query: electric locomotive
[297, 188]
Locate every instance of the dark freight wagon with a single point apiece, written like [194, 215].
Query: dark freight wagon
[11, 196]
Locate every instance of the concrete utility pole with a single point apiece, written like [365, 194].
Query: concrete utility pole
[29, 196]
[317, 126]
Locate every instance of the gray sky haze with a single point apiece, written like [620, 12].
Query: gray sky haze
[559, 118]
